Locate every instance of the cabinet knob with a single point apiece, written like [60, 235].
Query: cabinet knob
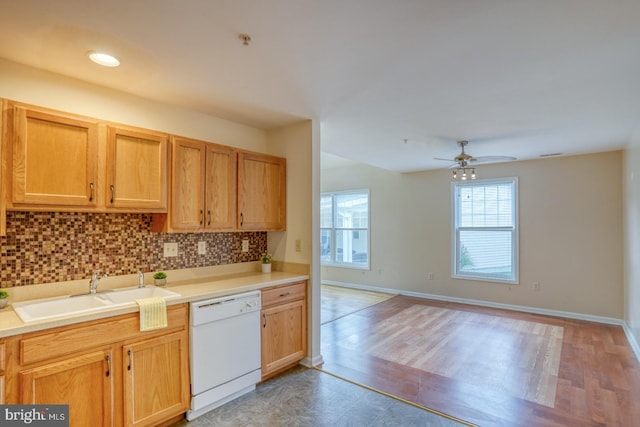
[108, 359]
[91, 193]
[113, 192]
[201, 216]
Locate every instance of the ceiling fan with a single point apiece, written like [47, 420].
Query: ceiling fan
[464, 162]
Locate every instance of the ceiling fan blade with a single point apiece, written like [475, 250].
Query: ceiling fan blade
[486, 159]
[446, 160]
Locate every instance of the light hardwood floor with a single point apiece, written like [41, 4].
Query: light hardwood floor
[487, 366]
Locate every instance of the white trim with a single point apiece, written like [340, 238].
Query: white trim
[312, 362]
[632, 340]
[522, 308]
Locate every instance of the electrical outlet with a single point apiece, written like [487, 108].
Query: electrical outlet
[430, 276]
[298, 248]
[170, 249]
[535, 286]
[202, 248]
[245, 245]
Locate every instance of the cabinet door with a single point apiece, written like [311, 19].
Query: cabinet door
[84, 382]
[261, 192]
[284, 340]
[54, 159]
[187, 184]
[136, 169]
[156, 383]
[220, 188]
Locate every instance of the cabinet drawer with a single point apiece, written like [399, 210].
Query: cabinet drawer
[74, 338]
[282, 294]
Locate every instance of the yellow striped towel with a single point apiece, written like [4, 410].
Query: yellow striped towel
[153, 313]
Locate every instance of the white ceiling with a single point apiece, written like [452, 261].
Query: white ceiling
[516, 78]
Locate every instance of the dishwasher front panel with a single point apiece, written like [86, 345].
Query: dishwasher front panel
[224, 350]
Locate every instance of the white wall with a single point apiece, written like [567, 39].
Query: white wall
[571, 238]
[32, 86]
[632, 238]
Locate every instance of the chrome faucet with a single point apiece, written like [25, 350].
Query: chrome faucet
[95, 281]
[140, 279]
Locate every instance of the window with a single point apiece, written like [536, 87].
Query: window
[344, 229]
[485, 230]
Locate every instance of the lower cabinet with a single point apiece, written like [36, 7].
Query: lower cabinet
[155, 373]
[284, 327]
[84, 382]
[108, 372]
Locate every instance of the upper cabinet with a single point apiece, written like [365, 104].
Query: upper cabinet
[64, 162]
[54, 159]
[203, 195]
[261, 192]
[136, 168]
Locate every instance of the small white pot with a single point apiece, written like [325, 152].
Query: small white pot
[160, 282]
[4, 302]
[266, 268]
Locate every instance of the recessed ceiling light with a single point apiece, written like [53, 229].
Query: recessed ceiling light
[104, 59]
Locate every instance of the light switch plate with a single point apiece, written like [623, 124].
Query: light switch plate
[202, 248]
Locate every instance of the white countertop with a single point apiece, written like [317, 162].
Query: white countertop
[190, 289]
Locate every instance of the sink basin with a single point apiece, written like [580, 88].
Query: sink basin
[128, 295]
[50, 308]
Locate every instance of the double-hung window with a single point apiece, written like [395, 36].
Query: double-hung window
[344, 229]
[485, 230]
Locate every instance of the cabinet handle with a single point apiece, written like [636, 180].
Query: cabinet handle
[130, 354]
[201, 216]
[91, 194]
[209, 217]
[108, 358]
[113, 192]
[285, 295]
[264, 320]
[241, 219]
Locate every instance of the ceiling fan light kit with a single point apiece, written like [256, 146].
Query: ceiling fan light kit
[461, 169]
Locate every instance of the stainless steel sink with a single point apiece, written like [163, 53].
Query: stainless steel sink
[50, 308]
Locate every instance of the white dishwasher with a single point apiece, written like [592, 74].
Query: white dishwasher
[225, 350]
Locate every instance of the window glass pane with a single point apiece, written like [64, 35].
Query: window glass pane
[352, 246]
[325, 245]
[486, 253]
[326, 220]
[352, 211]
[488, 205]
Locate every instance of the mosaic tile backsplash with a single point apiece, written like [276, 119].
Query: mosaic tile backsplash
[46, 247]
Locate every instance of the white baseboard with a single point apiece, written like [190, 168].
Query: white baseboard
[522, 308]
[632, 340]
[312, 362]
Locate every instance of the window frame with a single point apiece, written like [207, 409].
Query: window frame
[333, 262]
[455, 237]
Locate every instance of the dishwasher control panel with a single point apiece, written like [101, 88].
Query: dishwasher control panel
[223, 307]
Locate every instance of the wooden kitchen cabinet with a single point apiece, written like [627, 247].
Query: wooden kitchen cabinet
[54, 158]
[3, 359]
[84, 382]
[156, 379]
[203, 188]
[261, 192]
[107, 370]
[284, 327]
[136, 169]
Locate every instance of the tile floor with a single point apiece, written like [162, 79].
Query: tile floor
[308, 397]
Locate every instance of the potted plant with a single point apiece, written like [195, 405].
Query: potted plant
[160, 278]
[266, 262]
[4, 298]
